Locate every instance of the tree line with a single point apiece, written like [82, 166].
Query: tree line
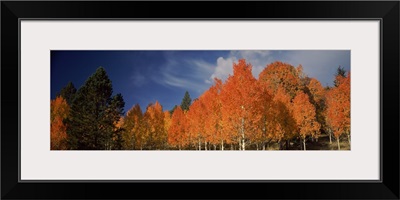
[282, 106]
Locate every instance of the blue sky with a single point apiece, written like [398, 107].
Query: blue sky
[146, 76]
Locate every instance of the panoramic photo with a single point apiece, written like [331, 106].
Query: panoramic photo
[200, 100]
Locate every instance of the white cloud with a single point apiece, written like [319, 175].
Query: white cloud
[198, 75]
[223, 68]
[257, 58]
[251, 54]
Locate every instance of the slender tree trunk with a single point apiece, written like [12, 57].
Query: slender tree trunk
[199, 145]
[222, 145]
[133, 144]
[330, 136]
[243, 143]
[205, 146]
[338, 143]
[263, 146]
[304, 143]
[257, 146]
[348, 136]
[215, 147]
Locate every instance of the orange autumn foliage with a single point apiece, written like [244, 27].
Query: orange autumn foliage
[196, 122]
[282, 81]
[281, 75]
[167, 121]
[283, 124]
[239, 98]
[213, 115]
[59, 110]
[177, 131]
[133, 125]
[316, 90]
[281, 106]
[304, 115]
[338, 106]
[155, 134]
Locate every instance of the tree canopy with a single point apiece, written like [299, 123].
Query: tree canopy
[94, 113]
[186, 101]
[283, 107]
[68, 92]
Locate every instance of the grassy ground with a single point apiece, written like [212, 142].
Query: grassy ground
[295, 145]
[322, 144]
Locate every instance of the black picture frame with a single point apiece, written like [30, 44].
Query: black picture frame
[386, 11]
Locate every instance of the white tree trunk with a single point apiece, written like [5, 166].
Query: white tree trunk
[338, 143]
[199, 145]
[304, 143]
[348, 136]
[222, 145]
[243, 143]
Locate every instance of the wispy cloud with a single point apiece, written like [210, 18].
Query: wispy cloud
[181, 82]
[196, 75]
[188, 74]
[138, 79]
[199, 68]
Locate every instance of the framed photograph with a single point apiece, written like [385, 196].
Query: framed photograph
[115, 97]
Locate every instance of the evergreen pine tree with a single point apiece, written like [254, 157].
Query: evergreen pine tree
[68, 92]
[172, 110]
[340, 72]
[186, 101]
[94, 114]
